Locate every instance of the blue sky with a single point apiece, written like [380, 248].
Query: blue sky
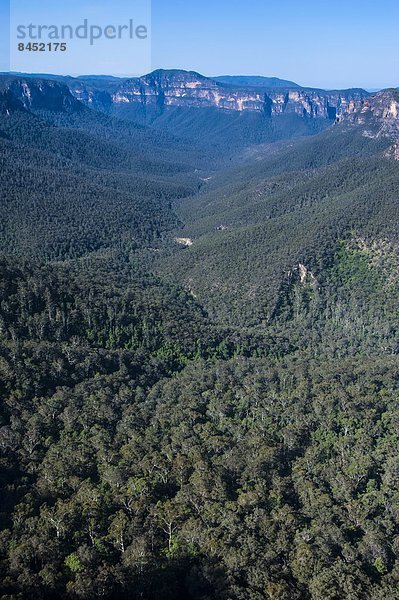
[337, 44]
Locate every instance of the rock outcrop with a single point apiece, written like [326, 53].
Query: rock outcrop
[379, 117]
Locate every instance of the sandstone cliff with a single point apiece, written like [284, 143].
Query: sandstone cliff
[162, 89]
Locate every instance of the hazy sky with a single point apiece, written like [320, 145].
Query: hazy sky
[336, 44]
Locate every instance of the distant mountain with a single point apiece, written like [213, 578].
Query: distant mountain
[162, 89]
[32, 75]
[197, 108]
[100, 78]
[165, 89]
[63, 77]
[255, 81]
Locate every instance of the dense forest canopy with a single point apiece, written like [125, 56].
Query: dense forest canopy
[213, 419]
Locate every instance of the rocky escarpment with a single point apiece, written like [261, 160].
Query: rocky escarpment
[9, 103]
[160, 90]
[164, 89]
[37, 94]
[189, 89]
[379, 117]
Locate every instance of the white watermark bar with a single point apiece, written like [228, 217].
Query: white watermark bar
[80, 38]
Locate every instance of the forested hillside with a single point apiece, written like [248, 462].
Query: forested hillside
[75, 181]
[146, 452]
[252, 225]
[198, 357]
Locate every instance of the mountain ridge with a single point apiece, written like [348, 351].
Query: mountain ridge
[161, 96]
[163, 89]
[255, 81]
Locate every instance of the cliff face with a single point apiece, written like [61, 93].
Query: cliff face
[37, 94]
[162, 89]
[9, 103]
[379, 117]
